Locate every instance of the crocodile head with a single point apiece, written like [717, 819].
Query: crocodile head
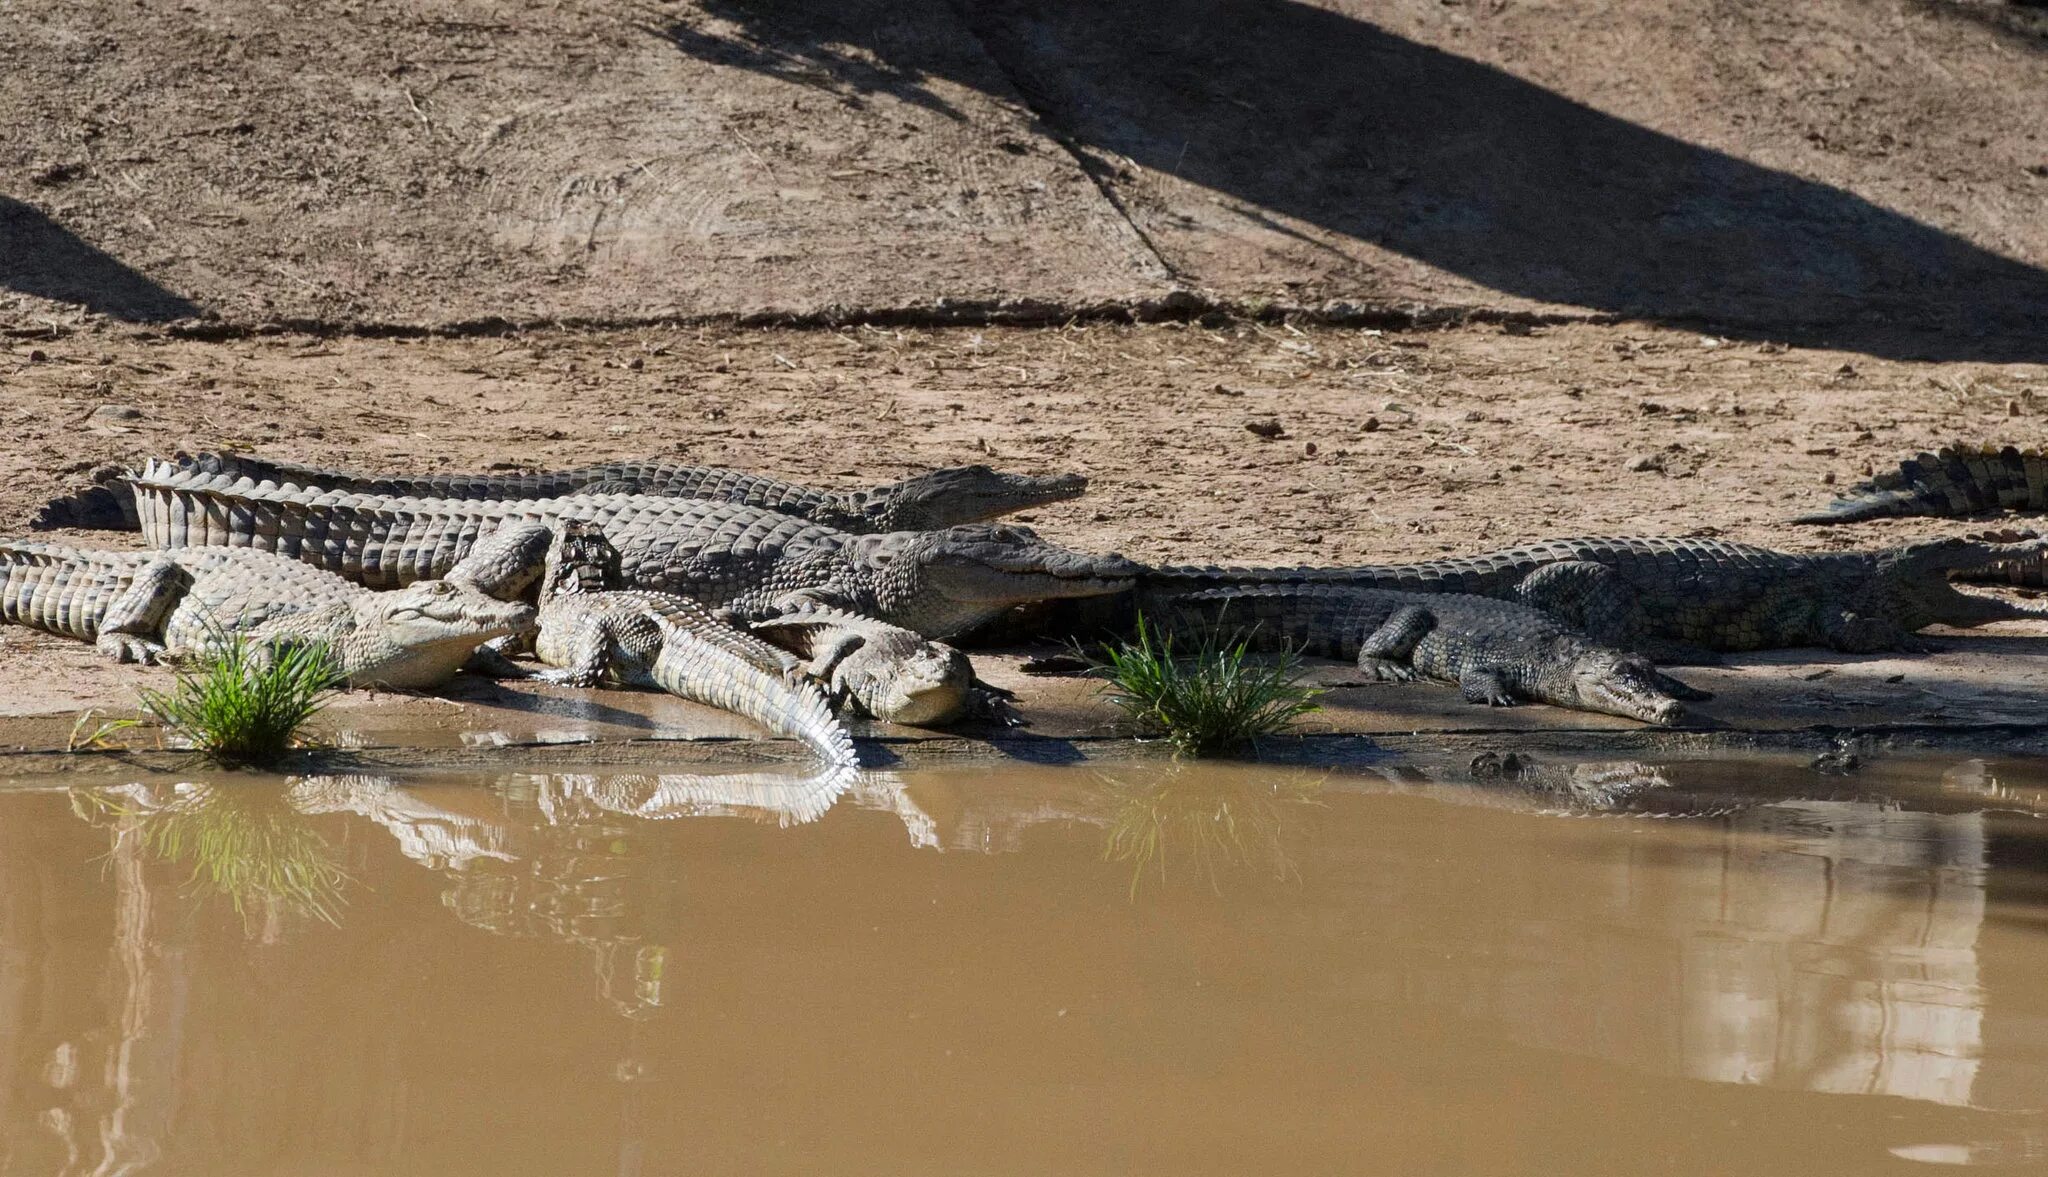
[922, 684]
[420, 635]
[942, 583]
[960, 494]
[1915, 589]
[1617, 683]
[580, 560]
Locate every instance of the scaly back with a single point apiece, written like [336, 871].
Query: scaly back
[1956, 480]
[387, 541]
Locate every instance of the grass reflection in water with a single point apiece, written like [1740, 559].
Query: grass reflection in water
[1177, 821]
[245, 843]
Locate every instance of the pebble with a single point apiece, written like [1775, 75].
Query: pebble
[1268, 429]
[108, 413]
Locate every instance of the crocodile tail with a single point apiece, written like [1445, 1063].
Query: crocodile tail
[1956, 480]
[381, 542]
[59, 589]
[691, 666]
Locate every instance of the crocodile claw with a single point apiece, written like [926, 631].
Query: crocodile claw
[126, 647]
[1385, 670]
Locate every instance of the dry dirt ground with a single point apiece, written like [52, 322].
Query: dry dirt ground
[1393, 445]
[1766, 164]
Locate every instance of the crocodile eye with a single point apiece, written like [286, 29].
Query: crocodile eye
[443, 588]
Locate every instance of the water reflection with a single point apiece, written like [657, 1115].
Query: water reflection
[1111, 933]
[1206, 824]
[251, 846]
[1823, 946]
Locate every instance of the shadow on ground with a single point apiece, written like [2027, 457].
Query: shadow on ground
[42, 258]
[1459, 165]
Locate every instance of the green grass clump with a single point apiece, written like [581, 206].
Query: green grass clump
[244, 705]
[1208, 701]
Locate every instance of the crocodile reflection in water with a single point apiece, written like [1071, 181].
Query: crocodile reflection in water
[1817, 944]
[558, 856]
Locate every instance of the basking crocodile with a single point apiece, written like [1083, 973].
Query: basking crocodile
[1958, 480]
[1672, 597]
[940, 498]
[1954, 481]
[888, 672]
[1496, 652]
[143, 606]
[752, 562]
[590, 633]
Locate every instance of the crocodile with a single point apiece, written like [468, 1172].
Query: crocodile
[887, 672]
[752, 562]
[1956, 480]
[939, 498]
[159, 606]
[1496, 652]
[590, 632]
[1678, 599]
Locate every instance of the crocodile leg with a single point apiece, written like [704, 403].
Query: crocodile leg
[1854, 633]
[1486, 686]
[505, 563]
[1385, 652]
[580, 656]
[1678, 690]
[135, 619]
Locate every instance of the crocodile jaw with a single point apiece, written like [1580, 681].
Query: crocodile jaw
[965, 494]
[420, 636]
[1617, 684]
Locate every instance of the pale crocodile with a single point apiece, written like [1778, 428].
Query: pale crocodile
[1495, 652]
[752, 562]
[939, 498]
[150, 606]
[591, 633]
[887, 672]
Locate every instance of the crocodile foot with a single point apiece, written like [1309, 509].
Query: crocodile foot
[126, 647]
[1385, 670]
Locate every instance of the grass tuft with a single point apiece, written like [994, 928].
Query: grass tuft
[244, 705]
[1208, 701]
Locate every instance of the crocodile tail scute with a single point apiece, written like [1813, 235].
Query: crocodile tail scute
[1954, 481]
[705, 672]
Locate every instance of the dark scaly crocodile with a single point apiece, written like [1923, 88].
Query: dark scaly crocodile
[1956, 480]
[590, 633]
[1495, 652]
[1674, 597]
[940, 498]
[752, 562]
[147, 606]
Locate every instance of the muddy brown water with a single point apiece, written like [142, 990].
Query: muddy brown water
[1735, 967]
